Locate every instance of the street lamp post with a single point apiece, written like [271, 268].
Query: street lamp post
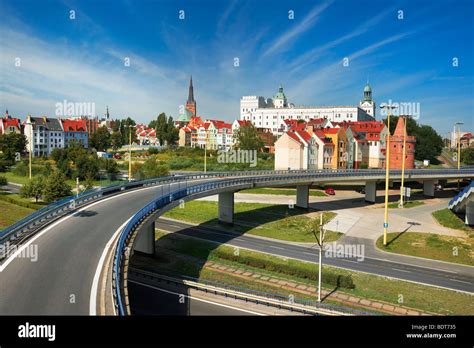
[402, 186]
[387, 171]
[459, 145]
[129, 151]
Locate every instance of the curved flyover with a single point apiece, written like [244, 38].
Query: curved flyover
[69, 247]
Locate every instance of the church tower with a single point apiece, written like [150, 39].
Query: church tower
[367, 104]
[191, 103]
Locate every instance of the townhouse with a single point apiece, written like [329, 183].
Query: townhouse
[9, 124]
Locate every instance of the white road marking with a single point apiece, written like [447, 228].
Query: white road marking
[50, 227]
[197, 299]
[275, 247]
[95, 281]
[460, 281]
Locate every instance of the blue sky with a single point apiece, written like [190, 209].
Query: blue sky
[82, 60]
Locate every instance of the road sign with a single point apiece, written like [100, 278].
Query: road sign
[407, 191]
[385, 225]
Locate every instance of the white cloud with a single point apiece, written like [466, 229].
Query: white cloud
[307, 22]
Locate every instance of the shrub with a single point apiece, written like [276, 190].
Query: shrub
[3, 181]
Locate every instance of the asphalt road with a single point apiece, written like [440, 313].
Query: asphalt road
[59, 281]
[148, 299]
[460, 278]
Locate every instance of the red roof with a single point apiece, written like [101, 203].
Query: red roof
[331, 130]
[74, 125]
[295, 137]
[244, 122]
[10, 122]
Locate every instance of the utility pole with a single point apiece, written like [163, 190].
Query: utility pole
[402, 186]
[320, 242]
[387, 171]
[130, 153]
[77, 186]
[205, 157]
[459, 146]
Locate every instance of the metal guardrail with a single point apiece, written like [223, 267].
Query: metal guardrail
[242, 179]
[43, 216]
[279, 301]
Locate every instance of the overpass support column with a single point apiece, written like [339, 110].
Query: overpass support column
[370, 191]
[145, 240]
[302, 196]
[428, 188]
[226, 208]
[470, 213]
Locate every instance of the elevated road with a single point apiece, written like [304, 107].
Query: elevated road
[61, 279]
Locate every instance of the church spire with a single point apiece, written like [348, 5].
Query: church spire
[191, 91]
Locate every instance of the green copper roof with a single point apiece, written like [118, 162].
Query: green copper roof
[367, 88]
[280, 94]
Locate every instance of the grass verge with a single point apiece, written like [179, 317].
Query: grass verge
[409, 204]
[266, 220]
[447, 218]
[11, 213]
[430, 246]
[367, 286]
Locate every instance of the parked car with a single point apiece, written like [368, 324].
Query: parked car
[438, 187]
[330, 191]
[361, 190]
[117, 156]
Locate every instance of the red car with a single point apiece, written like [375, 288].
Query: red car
[117, 156]
[330, 191]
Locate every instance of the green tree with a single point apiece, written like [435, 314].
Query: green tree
[87, 166]
[56, 187]
[116, 140]
[88, 183]
[161, 128]
[151, 168]
[467, 156]
[100, 140]
[172, 133]
[429, 144]
[10, 144]
[34, 188]
[125, 131]
[248, 138]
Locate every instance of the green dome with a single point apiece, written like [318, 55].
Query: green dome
[280, 94]
[367, 88]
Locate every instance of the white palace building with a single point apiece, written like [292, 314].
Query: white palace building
[270, 113]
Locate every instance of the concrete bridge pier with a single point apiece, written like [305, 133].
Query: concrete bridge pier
[302, 196]
[145, 240]
[226, 208]
[370, 191]
[469, 219]
[428, 188]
